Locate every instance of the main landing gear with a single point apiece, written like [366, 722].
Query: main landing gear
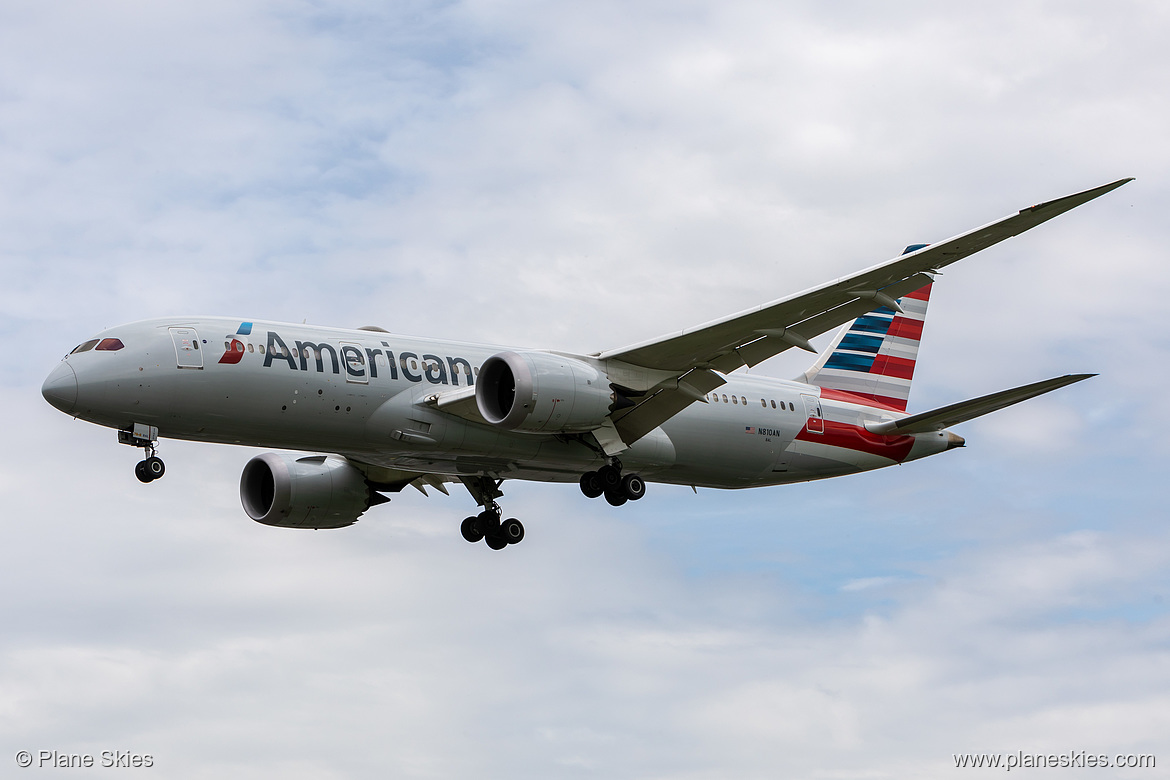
[608, 481]
[488, 525]
[146, 437]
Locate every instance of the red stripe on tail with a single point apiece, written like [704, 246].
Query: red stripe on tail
[906, 328]
[852, 437]
[921, 294]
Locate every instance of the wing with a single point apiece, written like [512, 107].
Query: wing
[692, 360]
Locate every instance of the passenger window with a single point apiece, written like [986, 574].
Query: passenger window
[734, 400]
[724, 399]
[743, 400]
[763, 403]
[773, 404]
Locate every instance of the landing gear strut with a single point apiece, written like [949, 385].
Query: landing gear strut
[487, 525]
[608, 481]
[146, 437]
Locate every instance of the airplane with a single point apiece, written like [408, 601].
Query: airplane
[377, 411]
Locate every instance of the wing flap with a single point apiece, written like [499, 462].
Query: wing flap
[666, 403]
[945, 417]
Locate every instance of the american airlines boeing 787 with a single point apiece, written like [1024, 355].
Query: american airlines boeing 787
[391, 410]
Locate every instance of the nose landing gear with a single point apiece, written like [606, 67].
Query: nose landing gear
[146, 437]
[608, 481]
[150, 469]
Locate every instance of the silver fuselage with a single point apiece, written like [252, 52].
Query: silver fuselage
[369, 396]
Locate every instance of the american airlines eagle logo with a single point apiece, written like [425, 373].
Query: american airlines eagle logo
[236, 344]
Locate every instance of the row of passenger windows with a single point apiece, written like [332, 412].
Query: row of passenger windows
[723, 398]
[312, 354]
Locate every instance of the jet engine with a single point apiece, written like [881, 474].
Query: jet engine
[312, 491]
[539, 392]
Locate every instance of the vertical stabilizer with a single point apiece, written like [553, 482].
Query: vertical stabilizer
[874, 356]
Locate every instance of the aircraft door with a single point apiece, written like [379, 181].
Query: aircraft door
[812, 412]
[187, 351]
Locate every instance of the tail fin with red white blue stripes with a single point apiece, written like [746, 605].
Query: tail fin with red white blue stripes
[873, 357]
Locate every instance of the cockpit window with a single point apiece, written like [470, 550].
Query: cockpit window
[86, 347]
[110, 345]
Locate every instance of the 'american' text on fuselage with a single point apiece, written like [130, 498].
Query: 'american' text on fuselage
[434, 369]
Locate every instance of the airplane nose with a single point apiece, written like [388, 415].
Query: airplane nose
[60, 388]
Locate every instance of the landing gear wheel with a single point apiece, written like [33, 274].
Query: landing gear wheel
[591, 484]
[610, 477]
[471, 529]
[512, 530]
[633, 486]
[497, 542]
[154, 467]
[487, 522]
[140, 472]
[616, 497]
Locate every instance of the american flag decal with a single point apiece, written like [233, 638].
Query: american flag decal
[749, 429]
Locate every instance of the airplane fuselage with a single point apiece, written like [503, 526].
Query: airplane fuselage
[369, 395]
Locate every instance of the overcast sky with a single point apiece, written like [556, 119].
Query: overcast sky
[579, 177]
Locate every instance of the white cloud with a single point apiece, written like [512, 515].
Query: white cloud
[581, 178]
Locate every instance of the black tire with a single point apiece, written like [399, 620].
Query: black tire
[512, 530]
[616, 497]
[487, 522]
[140, 472]
[610, 477]
[154, 467]
[633, 486]
[591, 484]
[471, 530]
[497, 541]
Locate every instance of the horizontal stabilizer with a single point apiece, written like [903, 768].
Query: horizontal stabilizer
[954, 414]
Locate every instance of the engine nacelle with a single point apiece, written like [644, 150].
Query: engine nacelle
[312, 491]
[538, 392]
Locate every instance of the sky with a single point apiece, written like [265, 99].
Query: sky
[580, 177]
